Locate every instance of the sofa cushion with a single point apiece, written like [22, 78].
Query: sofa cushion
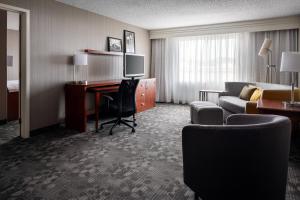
[233, 104]
[256, 94]
[247, 92]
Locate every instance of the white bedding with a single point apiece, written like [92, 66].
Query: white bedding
[13, 85]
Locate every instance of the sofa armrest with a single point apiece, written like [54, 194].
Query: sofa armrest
[225, 93]
[251, 107]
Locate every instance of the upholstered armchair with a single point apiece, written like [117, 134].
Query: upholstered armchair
[245, 159]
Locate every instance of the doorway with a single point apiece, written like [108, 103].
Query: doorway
[10, 81]
[14, 73]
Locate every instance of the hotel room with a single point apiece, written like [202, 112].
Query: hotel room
[148, 99]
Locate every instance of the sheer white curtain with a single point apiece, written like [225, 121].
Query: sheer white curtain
[282, 40]
[185, 65]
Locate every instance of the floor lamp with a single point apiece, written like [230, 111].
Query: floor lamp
[80, 60]
[290, 62]
[266, 51]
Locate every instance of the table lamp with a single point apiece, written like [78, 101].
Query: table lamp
[80, 60]
[290, 62]
[265, 50]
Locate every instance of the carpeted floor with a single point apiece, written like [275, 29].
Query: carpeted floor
[60, 164]
[9, 131]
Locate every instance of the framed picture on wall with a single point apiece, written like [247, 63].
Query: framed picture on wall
[114, 44]
[129, 42]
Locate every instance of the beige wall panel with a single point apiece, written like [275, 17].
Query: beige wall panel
[13, 49]
[57, 32]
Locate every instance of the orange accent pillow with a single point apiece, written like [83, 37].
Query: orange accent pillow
[256, 94]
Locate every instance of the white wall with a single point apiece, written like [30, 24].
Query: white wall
[13, 49]
[58, 31]
[13, 21]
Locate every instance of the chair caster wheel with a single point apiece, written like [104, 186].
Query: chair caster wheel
[133, 130]
[110, 132]
[101, 127]
[134, 124]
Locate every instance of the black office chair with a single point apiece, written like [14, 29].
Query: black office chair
[122, 105]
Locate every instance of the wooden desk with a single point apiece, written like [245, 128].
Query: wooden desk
[75, 102]
[75, 99]
[265, 106]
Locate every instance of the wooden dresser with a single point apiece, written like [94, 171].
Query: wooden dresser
[76, 101]
[145, 94]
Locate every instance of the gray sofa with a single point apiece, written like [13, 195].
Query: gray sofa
[230, 101]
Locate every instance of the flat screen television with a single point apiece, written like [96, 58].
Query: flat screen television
[134, 65]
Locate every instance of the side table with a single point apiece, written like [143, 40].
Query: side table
[203, 94]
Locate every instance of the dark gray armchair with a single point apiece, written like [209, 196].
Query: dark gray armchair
[245, 159]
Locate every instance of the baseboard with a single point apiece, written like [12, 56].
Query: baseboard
[3, 121]
[44, 129]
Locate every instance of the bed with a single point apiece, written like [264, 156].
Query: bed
[12, 100]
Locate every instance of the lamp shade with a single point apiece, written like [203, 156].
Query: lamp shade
[265, 47]
[81, 59]
[290, 62]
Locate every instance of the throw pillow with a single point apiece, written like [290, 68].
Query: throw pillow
[256, 94]
[247, 92]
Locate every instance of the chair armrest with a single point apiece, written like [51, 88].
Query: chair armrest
[251, 107]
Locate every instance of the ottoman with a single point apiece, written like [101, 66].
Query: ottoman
[207, 113]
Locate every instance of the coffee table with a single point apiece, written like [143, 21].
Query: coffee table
[279, 108]
[266, 106]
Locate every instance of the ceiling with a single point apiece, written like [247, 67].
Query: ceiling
[159, 14]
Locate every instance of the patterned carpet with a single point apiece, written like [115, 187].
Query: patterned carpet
[60, 164]
[9, 131]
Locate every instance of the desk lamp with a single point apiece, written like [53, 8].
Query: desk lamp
[265, 50]
[80, 60]
[290, 62]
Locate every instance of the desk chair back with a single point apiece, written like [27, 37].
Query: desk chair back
[126, 94]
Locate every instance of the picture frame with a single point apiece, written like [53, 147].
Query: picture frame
[114, 44]
[129, 41]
